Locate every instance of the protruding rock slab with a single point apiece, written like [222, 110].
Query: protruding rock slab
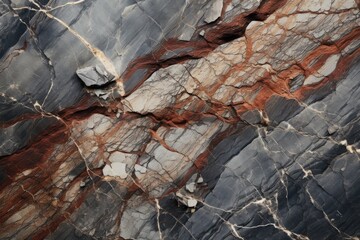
[214, 12]
[95, 76]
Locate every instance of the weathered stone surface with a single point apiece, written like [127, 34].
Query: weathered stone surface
[94, 76]
[214, 12]
[180, 119]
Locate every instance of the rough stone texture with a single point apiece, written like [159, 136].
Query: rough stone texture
[94, 76]
[180, 119]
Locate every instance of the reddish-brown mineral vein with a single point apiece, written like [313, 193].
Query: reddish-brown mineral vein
[40, 151]
[219, 34]
[223, 32]
[319, 56]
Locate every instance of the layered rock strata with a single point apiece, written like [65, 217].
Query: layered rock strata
[180, 119]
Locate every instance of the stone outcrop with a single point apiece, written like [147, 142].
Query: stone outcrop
[180, 119]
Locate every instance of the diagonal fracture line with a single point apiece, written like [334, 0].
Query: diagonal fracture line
[97, 52]
[66, 4]
[158, 218]
[106, 62]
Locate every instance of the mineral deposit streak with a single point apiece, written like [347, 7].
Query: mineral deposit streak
[180, 119]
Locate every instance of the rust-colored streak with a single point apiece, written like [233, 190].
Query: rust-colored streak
[38, 187]
[154, 61]
[266, 87]
[227, 31]
[65, 214]
[219, 34]
[32, 156]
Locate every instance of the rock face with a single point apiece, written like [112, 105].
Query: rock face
[180, 119]
[94, 76]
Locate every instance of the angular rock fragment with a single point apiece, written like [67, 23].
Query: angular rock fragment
[95, 76]
[214, 11]
[188, 201]
[139, 169]
[191, 187]
[116, 169]
[228, 120]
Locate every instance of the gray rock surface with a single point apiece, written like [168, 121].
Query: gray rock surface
[94, 76]
[179, 119]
